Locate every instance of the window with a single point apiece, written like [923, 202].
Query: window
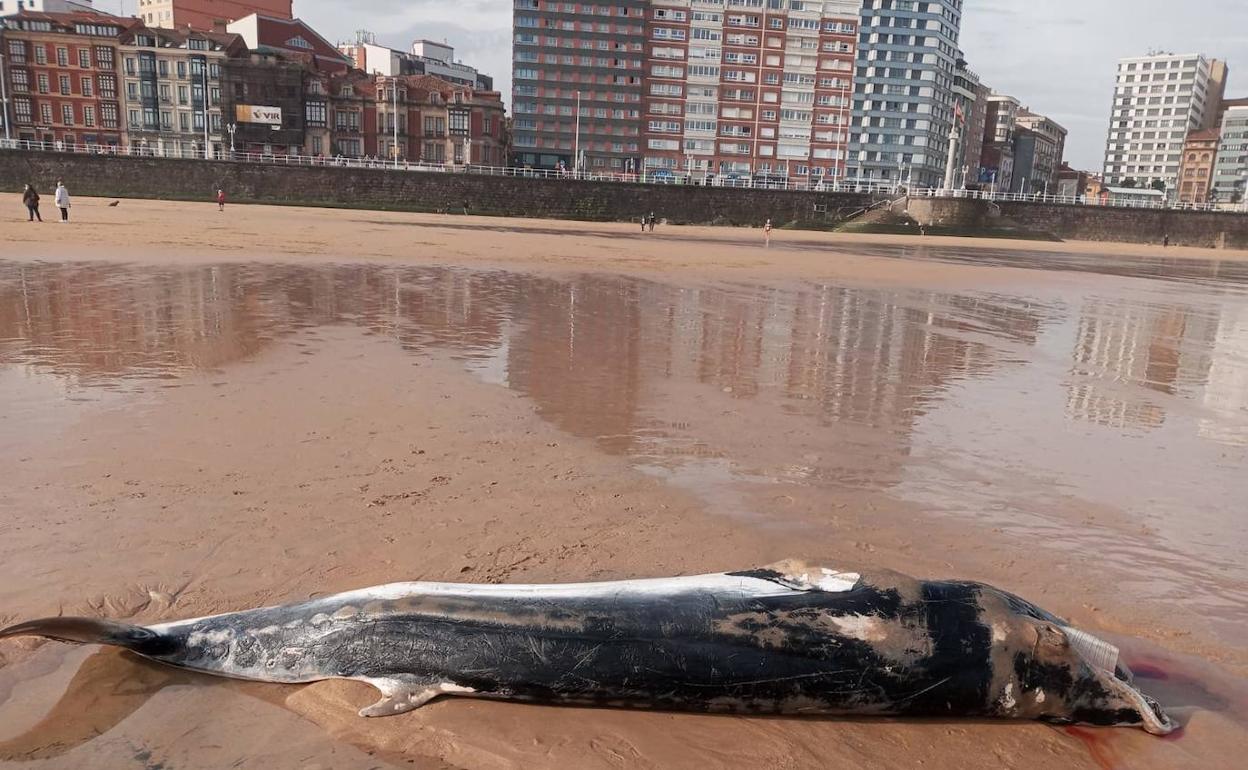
[103, 57]
[108, 86]
[435, 126]
[62, 57]
[42, 80]
[17, 52]
[45, 114]
[63, 82]
[84, 58]
[184, 121]
[41, 55]
[459, 122]
[315, 113]
[108, 115]
[20, 80]
[22, 111]
[67, 114]
[88, 116]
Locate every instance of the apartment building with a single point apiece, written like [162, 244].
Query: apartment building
[1200, 151]
[903, 90]
[971, 96]
[61, 72]
[577, 83]
[14, 7]
[172, 90]
[997, 156]
[208, 15]
[1039, 148]
[425, 58]
[1230, 173]
[743, 88]
[1158, 99]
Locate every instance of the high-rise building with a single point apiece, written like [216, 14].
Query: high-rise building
[1158, 99]
[577, 83]
[1230, 172]
[208, 14]
[14, 7]
[903, 89]
[748, 90]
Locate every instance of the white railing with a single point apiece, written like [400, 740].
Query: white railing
[152, 150]
[1081, 200]
[871, 186]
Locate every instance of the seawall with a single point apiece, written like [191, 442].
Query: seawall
[172, 179]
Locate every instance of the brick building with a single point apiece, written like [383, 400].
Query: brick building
[207, 15]
[589, 56]
[749, 91]
[61, 71]
[1200, 151]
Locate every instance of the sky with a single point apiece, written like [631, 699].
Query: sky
[1058, 57]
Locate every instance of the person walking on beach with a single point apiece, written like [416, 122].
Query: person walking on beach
[650, 221]
[767, 234]
[30, 197]
[62, 200]
[643, 222]
[220, 200]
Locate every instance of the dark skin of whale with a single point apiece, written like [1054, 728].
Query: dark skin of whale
[763, 641]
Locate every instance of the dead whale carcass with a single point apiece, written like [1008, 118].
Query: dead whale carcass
[785, 639]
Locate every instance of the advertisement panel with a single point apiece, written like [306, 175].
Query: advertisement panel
[249, 113]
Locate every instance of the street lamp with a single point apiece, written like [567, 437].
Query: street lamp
[576, 147]
[231, 128]
[4, 102]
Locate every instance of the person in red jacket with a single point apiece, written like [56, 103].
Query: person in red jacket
[220, 200]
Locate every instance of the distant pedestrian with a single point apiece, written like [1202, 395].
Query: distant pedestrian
[30, 198]
[220, 200]
[767, 234]
[650, 221]
[1165, 240]
[62, 200]
[643, 222]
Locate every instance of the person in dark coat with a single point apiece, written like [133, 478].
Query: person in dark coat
[30, 199]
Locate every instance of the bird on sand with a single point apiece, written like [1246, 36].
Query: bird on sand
[113, 204]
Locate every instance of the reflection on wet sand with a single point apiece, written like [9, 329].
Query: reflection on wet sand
[1110, 420]
[614, 359]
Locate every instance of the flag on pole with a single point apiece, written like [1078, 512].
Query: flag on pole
[958, 113]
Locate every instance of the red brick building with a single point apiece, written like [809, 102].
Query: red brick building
[62, 76]
[207, 15]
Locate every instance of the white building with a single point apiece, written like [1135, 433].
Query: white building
[1157, 100]
[1230, 170]
[425, 58]
[14, 7]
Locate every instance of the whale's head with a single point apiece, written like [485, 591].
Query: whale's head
[1047, 669]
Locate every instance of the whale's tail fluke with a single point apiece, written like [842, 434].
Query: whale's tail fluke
[93, 631]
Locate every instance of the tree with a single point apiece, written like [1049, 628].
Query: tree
[1159, 185]
[1128, 182]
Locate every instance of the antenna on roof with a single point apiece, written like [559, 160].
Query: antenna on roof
[364, 37]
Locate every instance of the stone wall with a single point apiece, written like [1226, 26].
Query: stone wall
[121, 177]
[1207, 229]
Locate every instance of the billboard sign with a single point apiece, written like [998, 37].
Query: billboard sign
[247, 113]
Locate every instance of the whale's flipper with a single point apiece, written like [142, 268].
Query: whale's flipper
[400, 696]
[93, 631]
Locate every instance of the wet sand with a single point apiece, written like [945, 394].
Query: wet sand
[206, 412]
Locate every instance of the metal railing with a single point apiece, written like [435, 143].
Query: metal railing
[661, 177]
[1081, 200]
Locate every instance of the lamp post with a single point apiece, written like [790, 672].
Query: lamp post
[4, 101]
[394, 117]
[207, 144]
[576, 145]
[231, 128]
